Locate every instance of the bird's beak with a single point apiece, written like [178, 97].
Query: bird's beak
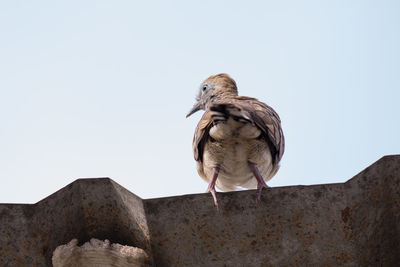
[194, 109]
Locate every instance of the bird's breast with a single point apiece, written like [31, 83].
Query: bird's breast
[233, 144]
[232, 156]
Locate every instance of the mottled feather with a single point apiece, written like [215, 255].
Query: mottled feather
[238, 141]
[256, 112]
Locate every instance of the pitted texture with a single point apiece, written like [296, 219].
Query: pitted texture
[356, 223]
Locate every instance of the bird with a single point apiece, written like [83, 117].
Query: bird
[238, 142]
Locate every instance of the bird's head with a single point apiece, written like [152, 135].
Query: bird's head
[214, 88]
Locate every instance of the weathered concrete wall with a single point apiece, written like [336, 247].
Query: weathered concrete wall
[372, 214]
[84, 209]
[356, 223]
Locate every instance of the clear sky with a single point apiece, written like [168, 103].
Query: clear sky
[101, 88]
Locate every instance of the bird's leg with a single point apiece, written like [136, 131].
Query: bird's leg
[211, 186]
[260, 180]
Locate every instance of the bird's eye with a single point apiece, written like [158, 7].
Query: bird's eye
[204, 88]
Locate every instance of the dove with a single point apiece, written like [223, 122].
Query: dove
[238, 142]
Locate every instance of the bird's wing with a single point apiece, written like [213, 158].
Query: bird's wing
[201, 135]
[244, 109]
[259, 114]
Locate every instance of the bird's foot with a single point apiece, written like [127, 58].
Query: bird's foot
[260, 186]
[260, 181]
[214, 194]
[211, 186]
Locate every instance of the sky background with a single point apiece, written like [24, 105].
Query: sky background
[101, 88]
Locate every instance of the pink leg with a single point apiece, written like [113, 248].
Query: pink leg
[211, 186]
[260, 180]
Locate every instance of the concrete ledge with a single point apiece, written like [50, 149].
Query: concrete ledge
[356, 223]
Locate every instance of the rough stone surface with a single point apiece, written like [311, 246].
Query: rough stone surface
[97, 253]
[86, 208]
[356, 223]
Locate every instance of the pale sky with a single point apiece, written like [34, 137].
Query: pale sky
[101, 88]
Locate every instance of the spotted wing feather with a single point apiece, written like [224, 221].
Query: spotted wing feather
[243, 109]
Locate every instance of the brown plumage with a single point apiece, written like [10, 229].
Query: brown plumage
[238, 142]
